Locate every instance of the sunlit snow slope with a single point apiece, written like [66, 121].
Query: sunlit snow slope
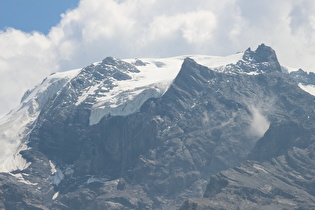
[154, 78]
[15, 126]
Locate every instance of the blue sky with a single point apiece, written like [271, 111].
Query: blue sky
[30, 15]
[40, 41]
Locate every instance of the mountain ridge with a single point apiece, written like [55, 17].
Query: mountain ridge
[202, 121]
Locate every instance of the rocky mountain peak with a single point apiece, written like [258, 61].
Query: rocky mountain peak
[263, 54]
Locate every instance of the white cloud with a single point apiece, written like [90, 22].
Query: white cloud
[136, 28]
[25, 59]
[259, 124]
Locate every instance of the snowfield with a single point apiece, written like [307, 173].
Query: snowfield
[153, 80]
[16, 125]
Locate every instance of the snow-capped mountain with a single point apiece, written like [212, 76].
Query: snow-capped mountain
[121, 88]
[148, 133]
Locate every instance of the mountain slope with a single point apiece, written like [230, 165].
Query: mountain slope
[283, 182]
[148, 133]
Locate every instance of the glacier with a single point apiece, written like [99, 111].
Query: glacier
[153, 79]
[16, 125]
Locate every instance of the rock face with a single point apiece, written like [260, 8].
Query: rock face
[247, 125]
[282, 182]
[279, 171]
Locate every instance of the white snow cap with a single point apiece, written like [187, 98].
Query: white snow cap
[15, 126]
[153, 80]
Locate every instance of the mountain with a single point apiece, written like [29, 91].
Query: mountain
[148, 133]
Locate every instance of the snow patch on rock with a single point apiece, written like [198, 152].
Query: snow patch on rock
[55, 196]
[53, 167]
[308, 88]
[21, 179]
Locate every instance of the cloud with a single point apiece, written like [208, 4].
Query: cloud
[159, 28]
[259, 124]
[25, 59]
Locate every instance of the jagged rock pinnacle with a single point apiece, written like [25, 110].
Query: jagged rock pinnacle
[263, 54]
